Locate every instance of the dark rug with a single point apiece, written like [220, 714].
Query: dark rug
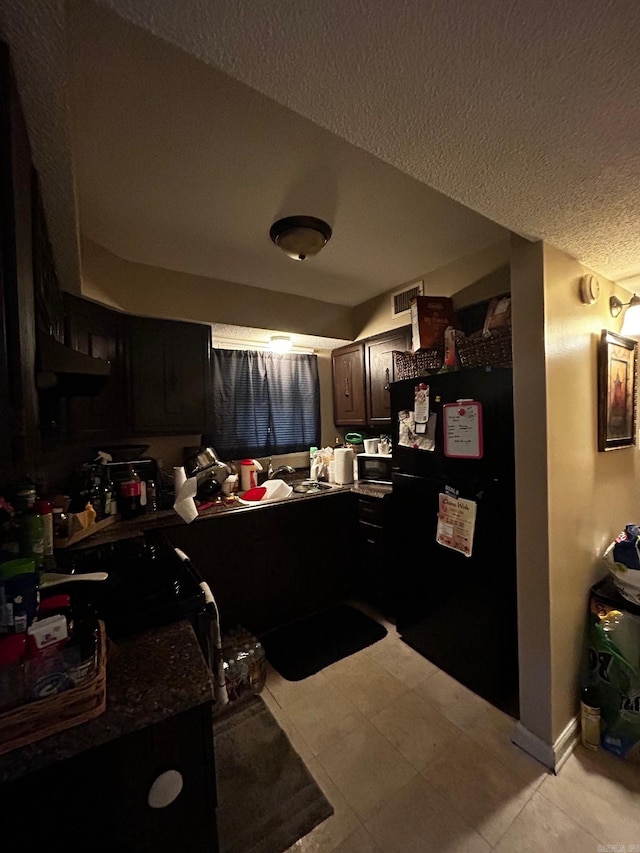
[267, 799]
[306, 646]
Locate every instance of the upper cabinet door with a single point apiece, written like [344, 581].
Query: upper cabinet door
[380, 372]
[349, 407]
[99, 332]
[169, 375]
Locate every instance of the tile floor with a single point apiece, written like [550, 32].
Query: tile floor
[414, 762]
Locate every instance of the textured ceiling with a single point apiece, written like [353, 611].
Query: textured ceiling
[363, 113]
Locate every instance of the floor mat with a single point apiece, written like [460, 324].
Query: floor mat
[267, 799]
[304, 647]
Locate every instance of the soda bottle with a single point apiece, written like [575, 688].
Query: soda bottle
[129, 499]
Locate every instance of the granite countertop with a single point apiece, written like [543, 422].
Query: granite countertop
[150, 677]
[137, 527]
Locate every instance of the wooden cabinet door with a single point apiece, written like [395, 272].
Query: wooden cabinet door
[169, 365]
[347, 364]
[98, 331]
[380, 373]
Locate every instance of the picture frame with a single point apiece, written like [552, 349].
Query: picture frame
[617, 391]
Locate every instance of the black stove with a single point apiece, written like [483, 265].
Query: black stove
[147, 586]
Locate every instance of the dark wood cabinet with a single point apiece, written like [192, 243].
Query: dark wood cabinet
[374, 569]
[269, 565]
[169, 367]
[362, 372]
[18, 397]
[349, 403]
[99, 332]
[379, 369]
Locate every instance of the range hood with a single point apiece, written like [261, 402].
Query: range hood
[70, 372]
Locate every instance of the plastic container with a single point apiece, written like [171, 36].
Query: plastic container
[248, 474]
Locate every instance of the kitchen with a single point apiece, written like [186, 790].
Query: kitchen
[553, 571]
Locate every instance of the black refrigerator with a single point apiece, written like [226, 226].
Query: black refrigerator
[453, 536]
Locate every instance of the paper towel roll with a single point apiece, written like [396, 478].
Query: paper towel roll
[343, 458]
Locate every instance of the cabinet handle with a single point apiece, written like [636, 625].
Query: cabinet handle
[347, 393]
[386, 383]
[165, 789]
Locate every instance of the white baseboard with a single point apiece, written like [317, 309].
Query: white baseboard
[553, 756]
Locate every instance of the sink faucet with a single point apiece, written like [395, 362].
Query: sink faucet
[281, 469]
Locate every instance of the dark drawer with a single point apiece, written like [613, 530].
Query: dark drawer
[372, 510]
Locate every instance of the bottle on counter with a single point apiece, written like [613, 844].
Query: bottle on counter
[44, 508]
[60, 523]
[31, 536]
[152, 496]
[129, 498]
[95, 495]
[590, 717]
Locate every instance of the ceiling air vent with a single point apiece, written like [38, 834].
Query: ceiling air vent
[401, 299]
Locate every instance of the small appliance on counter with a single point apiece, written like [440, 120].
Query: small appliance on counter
[374, 467]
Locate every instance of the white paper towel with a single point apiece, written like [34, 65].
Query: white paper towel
[185, 491]
[343, 458]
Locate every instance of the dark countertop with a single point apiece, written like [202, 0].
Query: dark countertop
[150, 677]
[137, 527]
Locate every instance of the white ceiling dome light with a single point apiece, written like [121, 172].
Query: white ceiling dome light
[300, 237]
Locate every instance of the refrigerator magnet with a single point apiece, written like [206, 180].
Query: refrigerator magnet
[463, 429]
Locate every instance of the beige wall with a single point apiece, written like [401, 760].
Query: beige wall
[571, 499]
[470, 279]
[153, 292]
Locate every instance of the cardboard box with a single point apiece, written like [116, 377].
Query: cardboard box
[430, 316]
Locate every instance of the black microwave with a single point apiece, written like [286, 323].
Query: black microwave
[374, 467]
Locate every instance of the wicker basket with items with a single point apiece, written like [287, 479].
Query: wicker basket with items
[490, 347]
[409, 365]
[52, 656]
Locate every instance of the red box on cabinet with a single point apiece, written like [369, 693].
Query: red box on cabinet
[430, 316]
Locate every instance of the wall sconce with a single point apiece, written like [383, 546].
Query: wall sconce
[631, 324]
[300, 237]
[280, 343]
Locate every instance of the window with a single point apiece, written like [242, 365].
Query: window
[263, 403]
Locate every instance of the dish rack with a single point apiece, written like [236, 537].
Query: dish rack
[41, 718]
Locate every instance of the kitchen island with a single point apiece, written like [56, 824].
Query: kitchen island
[92, 782]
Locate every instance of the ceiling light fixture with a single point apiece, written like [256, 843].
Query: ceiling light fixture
[300, 237]
[280, 343]
[631, 324]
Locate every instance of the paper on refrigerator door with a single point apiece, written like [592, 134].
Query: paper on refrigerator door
[185, 492]
[456, 523]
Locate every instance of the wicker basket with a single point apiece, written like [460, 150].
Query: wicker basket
[410, 365]
[491, 351]
[39, 719]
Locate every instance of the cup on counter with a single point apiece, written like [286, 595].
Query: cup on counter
[371, 445]
[230, 484]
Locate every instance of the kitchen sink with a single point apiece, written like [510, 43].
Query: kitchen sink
[311, 487]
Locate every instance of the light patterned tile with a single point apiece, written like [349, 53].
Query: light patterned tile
[325, 837]
[455, 701]
[359, 841]
[366, 769]
[494, 729]
[323, 716]
[600, 795]
[286, 692]
[297, 740]
[416, 729]
[485, 791]
[419, 820]
[368, 685]
[402, 661]
[543, 826]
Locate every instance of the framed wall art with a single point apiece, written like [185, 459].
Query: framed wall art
[617, 390]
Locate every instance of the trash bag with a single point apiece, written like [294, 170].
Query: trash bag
[613, 655]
